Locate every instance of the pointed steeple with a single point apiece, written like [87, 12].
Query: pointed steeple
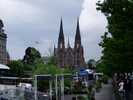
[68, 45]
[77, 37]
[61, 36]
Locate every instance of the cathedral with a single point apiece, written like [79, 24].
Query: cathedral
[4, 56]
[68, 56]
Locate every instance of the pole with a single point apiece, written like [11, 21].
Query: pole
[50, 88]
[35, 87]
[56, 86]
[62, 87]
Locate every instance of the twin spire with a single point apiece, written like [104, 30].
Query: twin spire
[61, 39]
[61, 34]
[78, 37]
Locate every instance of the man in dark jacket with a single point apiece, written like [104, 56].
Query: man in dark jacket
[127, 88]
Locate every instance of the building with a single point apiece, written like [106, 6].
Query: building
[68, 56]
[4, 56]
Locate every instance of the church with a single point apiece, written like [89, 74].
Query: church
[68, 56]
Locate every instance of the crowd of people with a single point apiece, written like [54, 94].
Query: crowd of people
[123, 84]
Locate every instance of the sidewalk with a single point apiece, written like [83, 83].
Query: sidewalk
[106, 93]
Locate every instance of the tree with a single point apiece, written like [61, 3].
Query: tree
[31, 55]
[31, 58]
[48, 68]
[16, 68]
[117, 49]
[92, 64]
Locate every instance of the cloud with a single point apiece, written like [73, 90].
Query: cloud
[15, 10]
[28, 21]
[36, 23]
[92, 25]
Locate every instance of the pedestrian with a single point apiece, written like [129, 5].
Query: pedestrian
[121, 89]
[127, 88]
[121, 86]
[93, 94]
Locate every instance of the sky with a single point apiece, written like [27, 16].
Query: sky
[36, 23]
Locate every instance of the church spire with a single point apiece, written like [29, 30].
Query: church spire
[61, 42]
[77, 37]
[68, 45]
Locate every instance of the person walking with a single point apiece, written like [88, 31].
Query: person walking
[121, 89]
[127, 88]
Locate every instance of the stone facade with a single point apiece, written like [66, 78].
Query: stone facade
[68, 56]
[4, 56]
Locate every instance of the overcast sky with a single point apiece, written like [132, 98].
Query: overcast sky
[36, 23]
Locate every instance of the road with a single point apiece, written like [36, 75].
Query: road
[106, 93]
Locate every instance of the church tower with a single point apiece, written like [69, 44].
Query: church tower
[4, 56]
[61, 47]
[68, 56]
[78, 49]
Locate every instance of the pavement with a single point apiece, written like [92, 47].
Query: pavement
[106, 93]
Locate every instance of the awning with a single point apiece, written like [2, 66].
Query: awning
[4, 67]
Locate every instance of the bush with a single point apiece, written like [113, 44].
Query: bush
[98, 85]
[105, 79]
[81, 98]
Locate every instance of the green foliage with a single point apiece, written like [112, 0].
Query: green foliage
[50, 69]
[47, 69]
[105, 79]
[31, 55]
[16, 68]
[52, 60]
[102, 68]
[117, 48]
[82, 98]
